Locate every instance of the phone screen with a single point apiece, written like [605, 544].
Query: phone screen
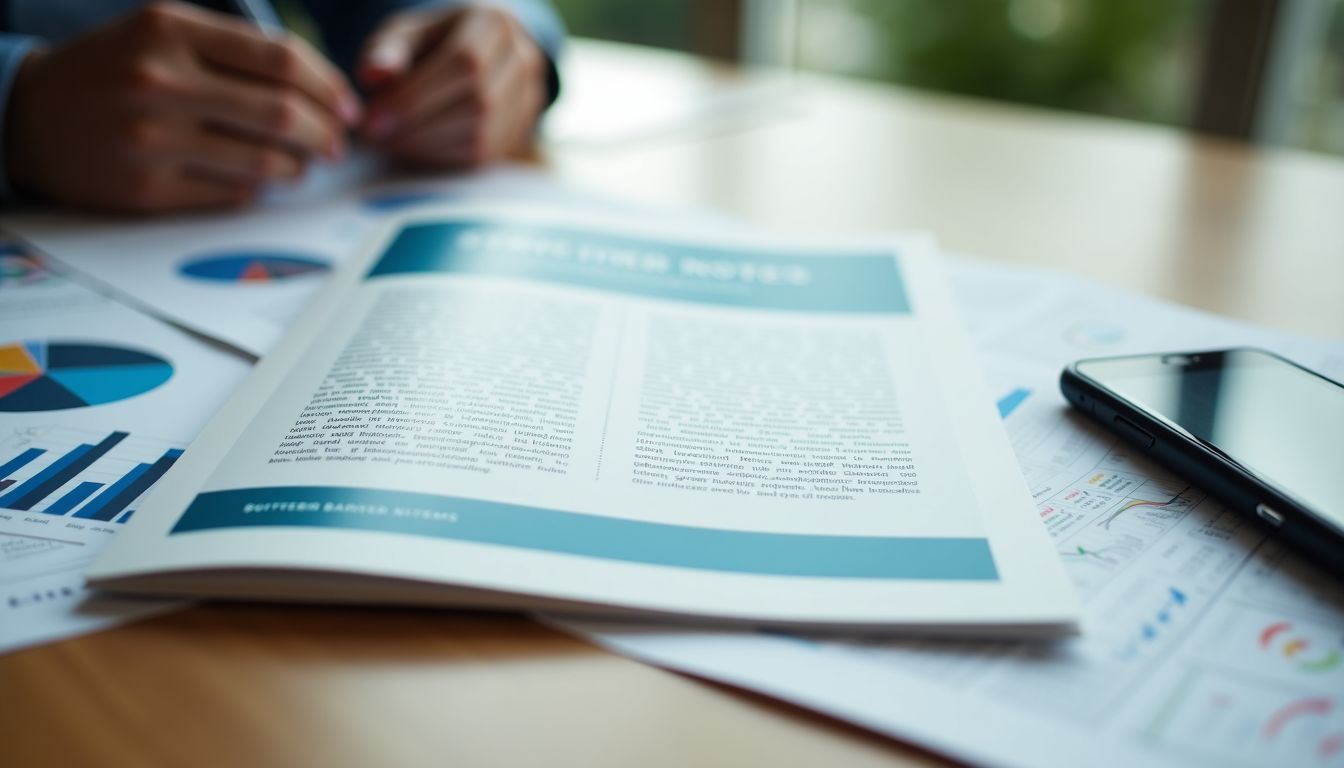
[1282, 423]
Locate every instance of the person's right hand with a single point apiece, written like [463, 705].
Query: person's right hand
[173, 107]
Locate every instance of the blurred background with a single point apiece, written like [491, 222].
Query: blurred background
[1269, 71]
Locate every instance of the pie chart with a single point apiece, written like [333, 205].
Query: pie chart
[253, 266]
[51, 376]
[19, 268]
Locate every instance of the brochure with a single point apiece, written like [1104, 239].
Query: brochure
[509, 408]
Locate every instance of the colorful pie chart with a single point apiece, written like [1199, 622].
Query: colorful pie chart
[51, 376]
[17, 267]
[253, 266]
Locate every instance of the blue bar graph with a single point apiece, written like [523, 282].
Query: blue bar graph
[44, 483]
[19, 497]
[20, 461]
[76, 474]
[94, 509]
[73, 498]
[111, 502]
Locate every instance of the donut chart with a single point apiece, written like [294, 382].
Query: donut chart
[18, 268]
[51, 376]
[252, 266]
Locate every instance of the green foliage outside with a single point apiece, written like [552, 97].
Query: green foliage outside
[1131, 58]
[663, 23]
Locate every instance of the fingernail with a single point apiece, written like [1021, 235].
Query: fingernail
[350, 109]
[385, 59]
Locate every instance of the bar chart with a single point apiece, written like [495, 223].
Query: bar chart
[69, 472]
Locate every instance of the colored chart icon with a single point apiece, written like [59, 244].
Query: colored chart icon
[18, 267]
[52, 376]
[1009, 402]
[253, 266]
[1298, 649]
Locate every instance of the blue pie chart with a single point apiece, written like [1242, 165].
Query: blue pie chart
[52, 376]
[253, 267]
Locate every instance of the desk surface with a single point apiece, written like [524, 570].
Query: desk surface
[1254, 235]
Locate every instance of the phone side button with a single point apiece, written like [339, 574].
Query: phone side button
[1129, 429]
[1269, 515]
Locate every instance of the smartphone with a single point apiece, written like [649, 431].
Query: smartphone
[1261, 433]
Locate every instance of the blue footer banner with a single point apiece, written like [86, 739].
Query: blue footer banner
[572, 533]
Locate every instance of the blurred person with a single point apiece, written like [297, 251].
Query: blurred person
[166, 106]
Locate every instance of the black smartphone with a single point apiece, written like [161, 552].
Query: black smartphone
[1261, 433]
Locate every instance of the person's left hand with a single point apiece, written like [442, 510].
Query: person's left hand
[452, 88]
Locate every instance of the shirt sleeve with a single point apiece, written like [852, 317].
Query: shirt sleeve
[13, 49]
[346, 25]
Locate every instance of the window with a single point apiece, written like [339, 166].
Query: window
[1303, 105]
[1134, 59]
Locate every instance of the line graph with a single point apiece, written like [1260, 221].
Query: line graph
[1110, 554]
[1132, 504]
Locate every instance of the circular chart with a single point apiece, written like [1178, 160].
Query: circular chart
[17, 267]
[253, 266]
[51, 376]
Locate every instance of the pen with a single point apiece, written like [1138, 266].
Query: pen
[262, 14]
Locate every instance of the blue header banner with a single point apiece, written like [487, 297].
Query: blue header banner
[734, 277]
[573, 533]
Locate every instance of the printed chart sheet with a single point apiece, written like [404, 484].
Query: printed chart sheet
[97, 402]
[1203, 642]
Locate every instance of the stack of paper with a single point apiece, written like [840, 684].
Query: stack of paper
[1202, 642]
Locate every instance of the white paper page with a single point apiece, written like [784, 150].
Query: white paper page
[56, 606]
[728, 428]
[1203, 643]
[627, 106]
[110, 395]
[243, 276]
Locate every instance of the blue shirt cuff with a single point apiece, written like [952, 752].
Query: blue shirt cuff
[13, 49]
[544, 24]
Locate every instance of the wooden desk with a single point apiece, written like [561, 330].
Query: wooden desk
[1253, 235]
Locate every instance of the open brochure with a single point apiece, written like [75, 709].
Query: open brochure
[497, 407]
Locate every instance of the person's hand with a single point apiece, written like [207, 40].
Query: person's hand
[173, 107]
[452, 88]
